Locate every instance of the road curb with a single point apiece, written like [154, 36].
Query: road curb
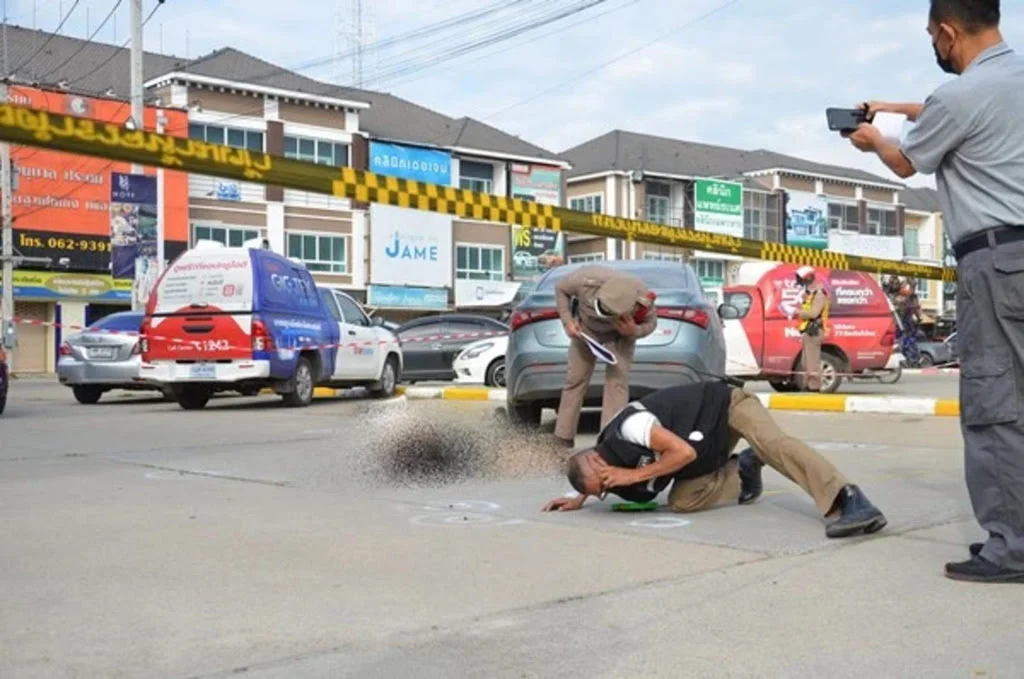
[833, 403]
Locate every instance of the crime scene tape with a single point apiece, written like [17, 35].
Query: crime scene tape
[84, 136]
[198, 344]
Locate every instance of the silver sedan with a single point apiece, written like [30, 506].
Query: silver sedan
[103, 357]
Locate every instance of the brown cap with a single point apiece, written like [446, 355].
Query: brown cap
[619, 295]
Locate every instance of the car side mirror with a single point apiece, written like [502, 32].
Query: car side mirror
[727, 312]
[377, 322]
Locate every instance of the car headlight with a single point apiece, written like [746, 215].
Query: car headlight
[476, 351]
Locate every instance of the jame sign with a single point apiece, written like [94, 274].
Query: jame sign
[410, 248]
[403, 249]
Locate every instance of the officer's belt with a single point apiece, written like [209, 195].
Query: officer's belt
[999, 235]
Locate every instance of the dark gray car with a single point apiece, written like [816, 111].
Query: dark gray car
[687, 346]
[430, 344]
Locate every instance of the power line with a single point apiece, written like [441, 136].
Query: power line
[85, 44]
[117, 50]
[625, 55]
[48, 38]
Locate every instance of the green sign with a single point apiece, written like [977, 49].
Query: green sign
[718, 207]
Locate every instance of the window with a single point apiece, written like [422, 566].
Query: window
[761, 216]
[231, 236]
[351, 311]
[890, 223]
[658, 202]
[911, 248]
[479, 262]
[316, 151]
[475, 176]
[709, 270]
[124, 322]
[843, 217]
[216, 134]
[327, 297]
[922, 288]
[323, 253]
[586, 203]
[588, 257]
[741, 300]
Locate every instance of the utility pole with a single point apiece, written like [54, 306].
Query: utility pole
[6, 216]
[138, 95]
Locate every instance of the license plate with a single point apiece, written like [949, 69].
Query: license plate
[203, 371]
[101, 352]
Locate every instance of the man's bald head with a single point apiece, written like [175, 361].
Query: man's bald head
[582, 473]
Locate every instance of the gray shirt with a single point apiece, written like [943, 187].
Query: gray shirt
[971, 135]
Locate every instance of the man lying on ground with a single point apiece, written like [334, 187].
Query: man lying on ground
[684, 435]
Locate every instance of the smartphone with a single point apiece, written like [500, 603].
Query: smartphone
[845, 119]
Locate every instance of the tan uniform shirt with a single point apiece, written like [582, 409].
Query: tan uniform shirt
[584, 284]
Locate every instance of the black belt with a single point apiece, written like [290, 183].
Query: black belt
[1000, 235]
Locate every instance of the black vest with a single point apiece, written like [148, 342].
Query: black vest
[683, 410]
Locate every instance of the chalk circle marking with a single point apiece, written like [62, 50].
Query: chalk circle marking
[660, 522]
[164, 475]
[476, 506]
[462, 520]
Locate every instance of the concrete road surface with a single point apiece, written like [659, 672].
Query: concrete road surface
[930, 386]
[139, 540]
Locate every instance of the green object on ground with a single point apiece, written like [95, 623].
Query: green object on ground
[634, 506]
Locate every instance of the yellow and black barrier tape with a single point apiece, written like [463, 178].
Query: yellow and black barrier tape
[83, 136]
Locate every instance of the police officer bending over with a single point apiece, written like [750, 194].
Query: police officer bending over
[684, 435]
[969, 133]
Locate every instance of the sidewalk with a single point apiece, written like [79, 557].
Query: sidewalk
[833, 403]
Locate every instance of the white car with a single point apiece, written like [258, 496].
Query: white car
[482, 362]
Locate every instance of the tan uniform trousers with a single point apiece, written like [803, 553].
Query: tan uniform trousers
[811, 363]
[577, 378]
[791, 457]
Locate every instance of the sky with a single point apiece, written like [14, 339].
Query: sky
[742, 73]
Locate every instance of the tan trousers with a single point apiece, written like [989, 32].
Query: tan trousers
[577, 379]
[811, 363]
[791, 457]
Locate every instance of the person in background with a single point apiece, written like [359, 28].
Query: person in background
[615, 309]
[968, 133]
[813, 315]
[684, 435]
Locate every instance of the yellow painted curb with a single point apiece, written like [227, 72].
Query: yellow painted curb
[824, 402]
[947, 407]
[466, 394]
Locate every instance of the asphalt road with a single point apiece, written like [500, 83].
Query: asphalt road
[139, 540]
[931, 386]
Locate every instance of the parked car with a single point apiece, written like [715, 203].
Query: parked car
[430, 344]
[482, 362]
[238, 319]
[687, 346]
[4, 379]
[764, 342]
[103, 357]
[938, 353]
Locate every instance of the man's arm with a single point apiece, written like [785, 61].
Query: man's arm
[817, 306]
[672, 453]
[911, 111]
[649, 323]
[567, 288]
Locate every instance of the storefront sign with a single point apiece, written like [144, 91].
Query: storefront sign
[535, 252]
[133, 228]
[484, 293]
[865, 245]
[538, 183]
[806, 220]
[77, 252]
[718, 207]
[401, 297]
[409, 162]
[57, 285]
[410, 247]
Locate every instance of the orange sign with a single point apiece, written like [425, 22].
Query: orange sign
[69, 194]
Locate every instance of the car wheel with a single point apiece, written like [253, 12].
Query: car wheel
[891, 376]
[926, 361]
[168, 394]
[831, 379]
[495, 376]
[385, 387]
[302, 385]
[194, 397]
[87, 395]
[249, 391]
[525, 414]
[783, 386]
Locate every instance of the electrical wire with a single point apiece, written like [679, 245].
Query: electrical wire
[48, 39]
[88, 41]
[116, 51]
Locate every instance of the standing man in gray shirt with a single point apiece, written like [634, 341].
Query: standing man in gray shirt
[970, 133]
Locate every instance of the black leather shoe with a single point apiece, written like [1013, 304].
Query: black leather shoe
[978, 569]
[976, 548]
[856, 515]
[751, 486]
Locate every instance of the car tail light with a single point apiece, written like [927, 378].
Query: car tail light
[697, 317]
[142, 346]
[261, 339]
[521, 317]
[65, 349]
[889, 337]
